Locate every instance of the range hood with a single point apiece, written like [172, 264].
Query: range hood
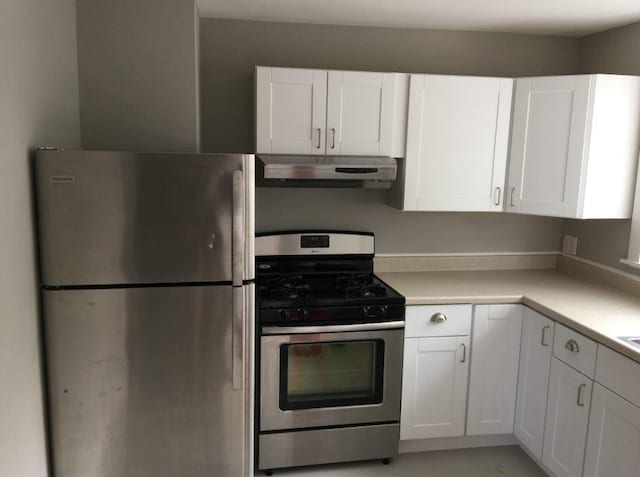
[276, 170]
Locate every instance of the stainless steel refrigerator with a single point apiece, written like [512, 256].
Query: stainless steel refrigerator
[147, 275]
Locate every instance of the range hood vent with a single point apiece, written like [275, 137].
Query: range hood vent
[325, 171]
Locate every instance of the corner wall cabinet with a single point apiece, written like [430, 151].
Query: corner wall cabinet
[320, 112]
[457, 143]
[574, 146]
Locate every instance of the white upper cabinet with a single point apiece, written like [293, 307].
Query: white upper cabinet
[494, 368]
[574, 146]
[291, 111]
[360, 113]
[457, 143]
[301, 111]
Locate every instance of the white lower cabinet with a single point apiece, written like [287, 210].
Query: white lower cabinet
[434, 393]
[567, 420]
[613, 446]
[494, 369]
[533, 380]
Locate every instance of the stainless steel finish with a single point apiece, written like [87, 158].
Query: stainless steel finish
[238, 334]
[274, 418]
[319, 138]
[141, 382]
[580, 399]
[291, 330]
[333, 138]
[572, 345]
[237, 222]
[464, 353]
[543, 340]
[499, 195]
[513, 191]
[139, 217]
[366, 171]
[439, 318]
[632, 340]
[323, 446]
[339, 244]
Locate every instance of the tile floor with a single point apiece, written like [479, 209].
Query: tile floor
[507, 461]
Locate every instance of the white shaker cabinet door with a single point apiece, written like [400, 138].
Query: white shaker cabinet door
[290, 110]
[613, 445]
[494, 368]
[360, 112]
[434, 392]
[533, 380]
[547, 146]
[457, 143]
[567, 419]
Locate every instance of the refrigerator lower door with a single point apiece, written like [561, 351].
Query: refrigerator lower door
[141, 381]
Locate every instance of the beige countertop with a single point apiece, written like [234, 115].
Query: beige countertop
[598, 311]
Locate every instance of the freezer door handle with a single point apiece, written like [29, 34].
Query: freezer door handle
[237, 247]
[237, 340]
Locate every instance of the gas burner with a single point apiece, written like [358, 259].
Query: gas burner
[289, 287]
[365, 291]
[361, 285]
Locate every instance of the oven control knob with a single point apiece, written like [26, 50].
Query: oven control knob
[370, 311]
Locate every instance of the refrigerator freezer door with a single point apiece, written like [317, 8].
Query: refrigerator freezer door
[141, 382]
[136, 218]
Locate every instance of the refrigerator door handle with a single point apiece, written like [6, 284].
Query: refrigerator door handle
[237, 248]
[237, 340]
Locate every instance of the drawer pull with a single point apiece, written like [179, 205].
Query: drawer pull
[572, 345]
[580, 401]
[543, 341]
[439, 318]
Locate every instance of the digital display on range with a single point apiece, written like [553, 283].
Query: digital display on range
[314, 241]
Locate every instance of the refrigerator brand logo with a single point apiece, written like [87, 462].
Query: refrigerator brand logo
[62, 179]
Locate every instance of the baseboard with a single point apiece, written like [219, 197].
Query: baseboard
[450, 443]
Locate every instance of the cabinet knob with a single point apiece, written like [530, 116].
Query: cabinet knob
[572, 345]
[439, 318]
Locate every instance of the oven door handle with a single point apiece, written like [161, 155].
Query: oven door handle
[294, 330]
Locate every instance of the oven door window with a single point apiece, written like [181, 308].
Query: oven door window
[329, 374]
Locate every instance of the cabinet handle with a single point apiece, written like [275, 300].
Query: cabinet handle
[580, 400]
[333, 138]
[513, 191]
[543, 342]
[572, 345]
[499, 194]
[439, 318]
[464, 353]
[319, 137]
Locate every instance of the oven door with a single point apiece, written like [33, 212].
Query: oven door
[330, 375]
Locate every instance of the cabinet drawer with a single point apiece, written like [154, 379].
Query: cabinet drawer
[618, 373]
[575, 350]
[438, 320]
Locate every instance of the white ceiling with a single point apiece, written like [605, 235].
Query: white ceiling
[559, 17]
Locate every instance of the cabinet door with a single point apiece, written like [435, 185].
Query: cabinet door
[533, 380]
[434, 392]
[494, 369]
[360, 113]
[457, 143]
[547, 145]
[290, 110]
[613, 446]
[567, 418]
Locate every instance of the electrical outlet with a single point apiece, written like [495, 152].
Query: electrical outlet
[570, 244]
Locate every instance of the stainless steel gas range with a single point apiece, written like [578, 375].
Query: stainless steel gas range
[330, 351]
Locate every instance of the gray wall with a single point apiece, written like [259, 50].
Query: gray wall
[229, 51]
[615, 51]
[137, 65]
[39, 106]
